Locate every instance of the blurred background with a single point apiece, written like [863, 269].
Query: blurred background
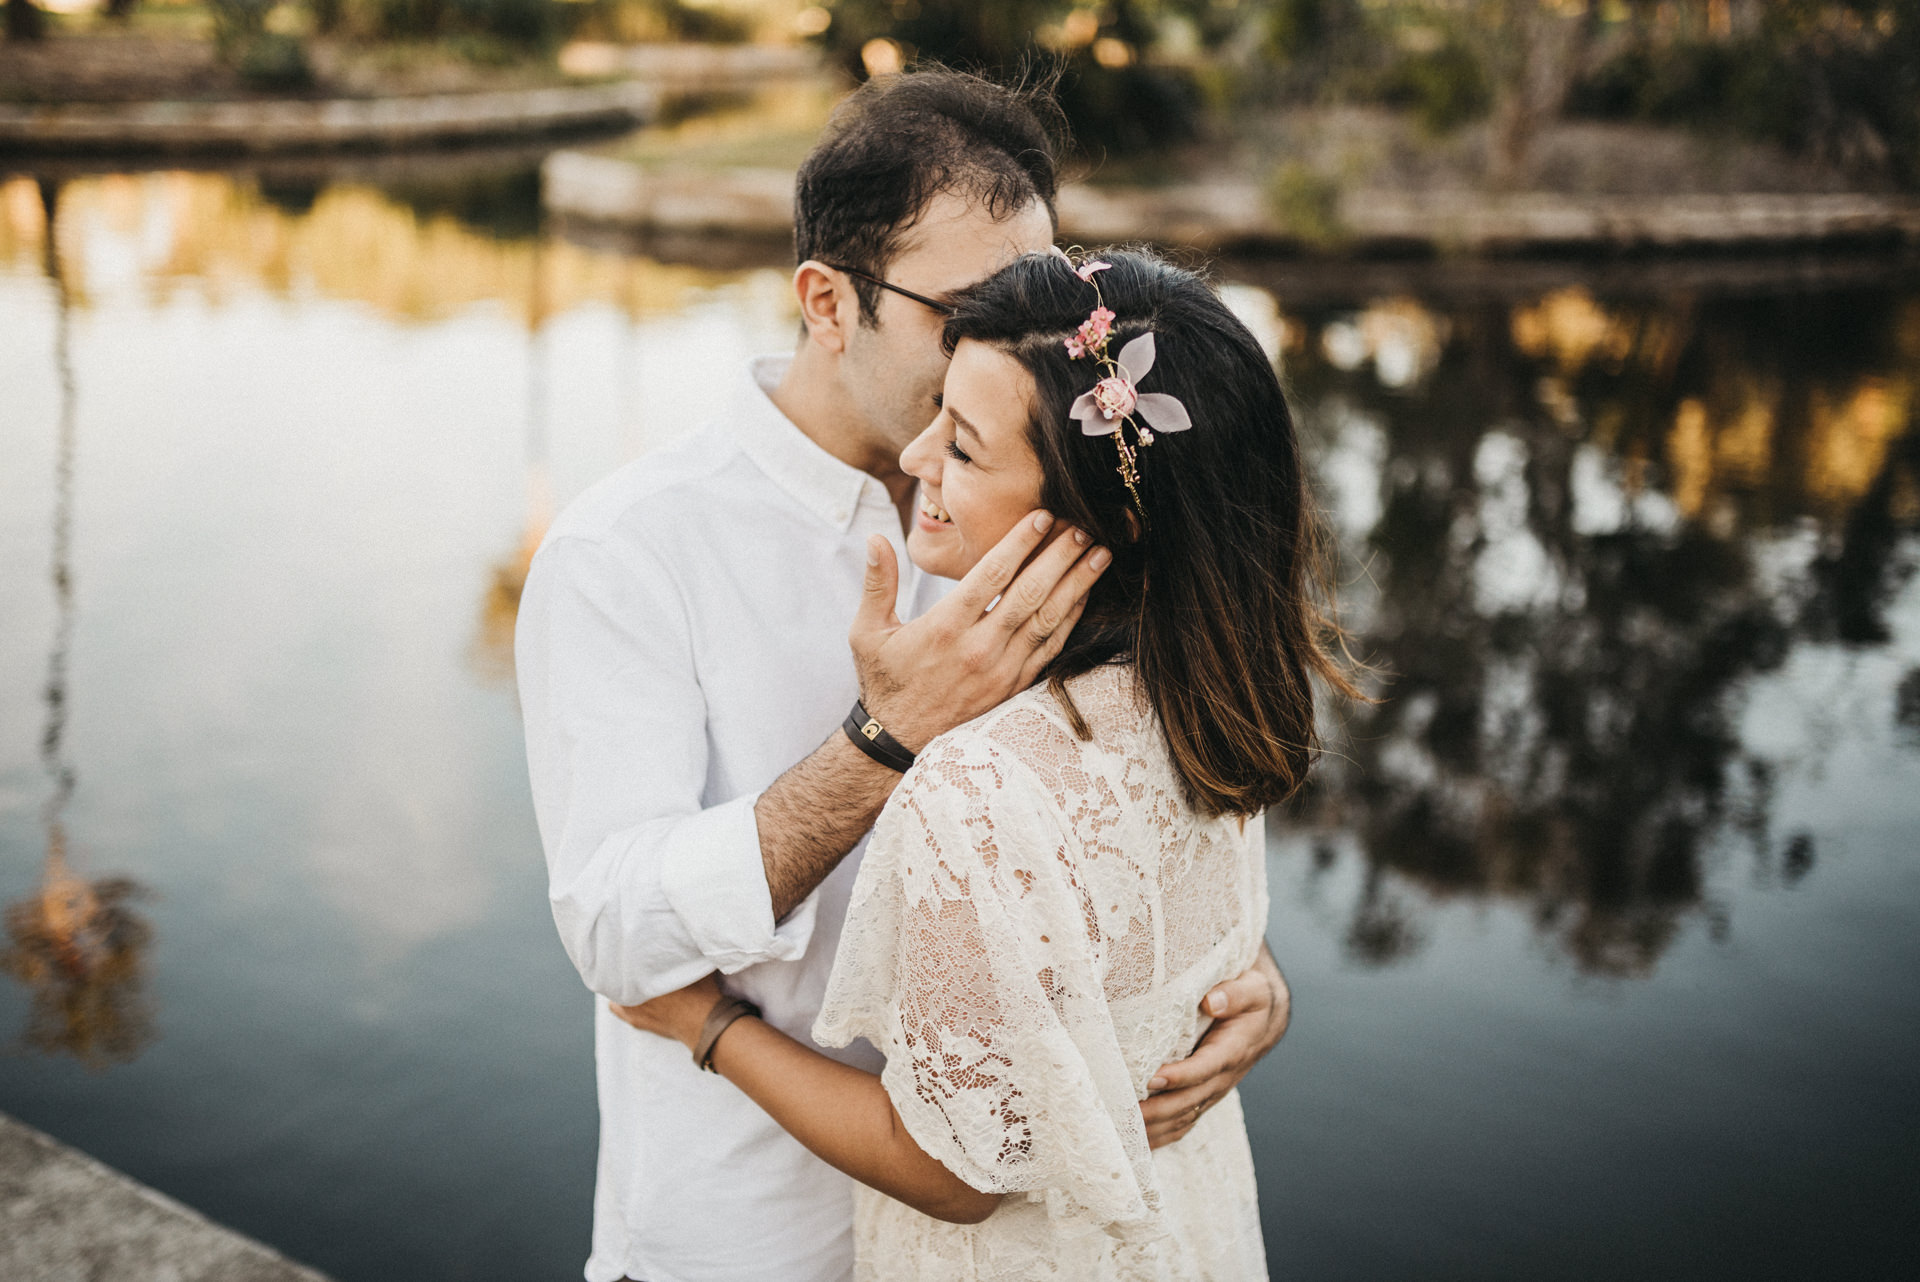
[1602, 321]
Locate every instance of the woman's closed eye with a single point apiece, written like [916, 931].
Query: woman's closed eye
[956, 453]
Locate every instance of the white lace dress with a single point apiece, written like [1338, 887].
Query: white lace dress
[1032, 930]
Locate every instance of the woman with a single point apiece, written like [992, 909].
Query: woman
[1054, 886]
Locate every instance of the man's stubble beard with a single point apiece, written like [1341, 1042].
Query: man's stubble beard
[895, 412]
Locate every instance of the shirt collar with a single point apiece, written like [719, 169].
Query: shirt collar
[824, 485]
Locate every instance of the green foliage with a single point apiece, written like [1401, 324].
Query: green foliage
[524, 22]
[487, 31]
[410, 18]
[274, 62]
[1837, 81]
[1307, 204]
[265, 60]
[1298, 30]
[25, 21]
[237, 22]
[1120, 106]
[1409, 55]
[691, 22]
[1446, 87]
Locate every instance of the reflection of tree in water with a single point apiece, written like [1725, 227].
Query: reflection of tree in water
[1577, 562]
[78, 945]
[80, 948]
[492, 651]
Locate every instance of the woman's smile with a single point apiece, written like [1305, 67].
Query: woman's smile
[932, 515]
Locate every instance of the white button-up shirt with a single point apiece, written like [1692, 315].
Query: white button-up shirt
[682, 642]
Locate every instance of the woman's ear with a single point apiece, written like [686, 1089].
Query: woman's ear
[828, 305]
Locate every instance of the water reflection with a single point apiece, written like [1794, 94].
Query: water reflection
[1579, 530]
[492, 650]
[79, 946]
[412, 252]
[1582, 520]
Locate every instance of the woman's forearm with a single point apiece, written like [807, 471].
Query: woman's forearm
[843, 1116]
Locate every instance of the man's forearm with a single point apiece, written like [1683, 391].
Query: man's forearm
[811, 816]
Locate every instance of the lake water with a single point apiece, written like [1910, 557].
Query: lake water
[1604, 927]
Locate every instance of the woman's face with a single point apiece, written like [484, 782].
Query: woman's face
[978, 474]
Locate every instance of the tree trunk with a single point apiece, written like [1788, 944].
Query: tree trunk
[1545, 47]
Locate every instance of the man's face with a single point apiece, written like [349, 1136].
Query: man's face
[895, 368]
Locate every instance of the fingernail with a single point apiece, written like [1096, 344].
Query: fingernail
[1217, 1003]
[1156, 1083]
[1082, 537]
[1099, 558]
[873, 557]
[1042, 521]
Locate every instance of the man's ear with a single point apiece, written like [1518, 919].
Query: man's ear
[828, 306]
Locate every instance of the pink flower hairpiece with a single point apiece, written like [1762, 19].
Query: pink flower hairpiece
[1111, 403]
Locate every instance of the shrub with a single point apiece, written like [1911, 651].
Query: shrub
[275, 62]
[1114, 102]
[1843, 92]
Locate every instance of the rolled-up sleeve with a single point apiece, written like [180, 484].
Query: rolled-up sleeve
[650, 887]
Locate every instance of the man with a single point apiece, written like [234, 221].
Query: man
[682, 651]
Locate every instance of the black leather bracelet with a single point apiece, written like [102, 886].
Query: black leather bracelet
[871, 738]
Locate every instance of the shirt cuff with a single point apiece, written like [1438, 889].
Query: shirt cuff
[715, 881]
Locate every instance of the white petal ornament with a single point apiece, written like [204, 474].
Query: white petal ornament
[1106, 405]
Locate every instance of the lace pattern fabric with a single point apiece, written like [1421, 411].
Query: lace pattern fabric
[1033, 927]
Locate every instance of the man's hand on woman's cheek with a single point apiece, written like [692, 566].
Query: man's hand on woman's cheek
[961, 659]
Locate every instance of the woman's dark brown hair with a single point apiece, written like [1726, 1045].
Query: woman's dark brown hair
[1212, 595]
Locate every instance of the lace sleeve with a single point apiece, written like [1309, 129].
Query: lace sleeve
[969, 959]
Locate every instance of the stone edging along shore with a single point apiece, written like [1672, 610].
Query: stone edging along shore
[1229, 215]
[280, 125]
[65, 1215]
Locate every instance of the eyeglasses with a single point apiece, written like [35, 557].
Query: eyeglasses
[945, 309]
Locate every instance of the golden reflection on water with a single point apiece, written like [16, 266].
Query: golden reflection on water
[1570, 327]
[1833, 442]
[492, 651]
[81, 950]
[217, 234]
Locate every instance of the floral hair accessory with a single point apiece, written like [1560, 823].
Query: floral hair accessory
[1113, 401]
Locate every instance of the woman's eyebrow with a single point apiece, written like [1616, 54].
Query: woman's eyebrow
[960, 421]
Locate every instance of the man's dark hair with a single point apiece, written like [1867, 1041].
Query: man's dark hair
[896, 142]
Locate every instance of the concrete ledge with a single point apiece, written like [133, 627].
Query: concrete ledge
[601, 189]
[693, 67]
[1225, 215]
[300, 125]
[65, 1216]
[1476, 221]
